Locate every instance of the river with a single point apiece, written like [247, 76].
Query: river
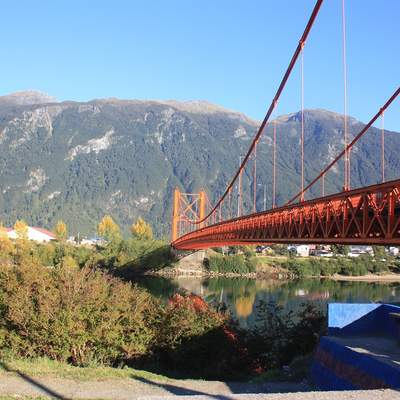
[242, 295]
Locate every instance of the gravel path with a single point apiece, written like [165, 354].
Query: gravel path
[144, 389]
[349, 395]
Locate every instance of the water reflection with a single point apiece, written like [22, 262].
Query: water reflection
[243, 295]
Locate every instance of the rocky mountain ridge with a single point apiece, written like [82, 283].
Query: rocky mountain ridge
[80, 160]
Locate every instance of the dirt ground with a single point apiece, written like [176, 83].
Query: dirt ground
[135, 388]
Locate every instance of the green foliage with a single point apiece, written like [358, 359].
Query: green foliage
[379, 252]
[82, 186]
[280, 249]
[76, 315]
[248, 251]
[237, 264]
[340, 249]
[355, 266]
[306, 267]
[280, 336]
[135, 256]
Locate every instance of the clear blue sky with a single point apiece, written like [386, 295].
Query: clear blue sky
[230, 52]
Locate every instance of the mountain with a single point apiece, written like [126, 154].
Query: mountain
[27, 97]
[77, 161]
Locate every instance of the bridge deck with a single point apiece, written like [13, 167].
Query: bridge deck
[370, 215]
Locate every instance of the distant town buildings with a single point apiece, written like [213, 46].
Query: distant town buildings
[302, 250]
[356, 251]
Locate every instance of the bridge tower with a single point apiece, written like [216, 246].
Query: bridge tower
[187, 208]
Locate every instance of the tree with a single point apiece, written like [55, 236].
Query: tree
[109, 229]
[379, 251]
[5, 243]
[342, 249]
[21, 229]
[142, 230]
[61, 231]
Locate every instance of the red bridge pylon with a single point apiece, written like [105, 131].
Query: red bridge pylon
[187, 208]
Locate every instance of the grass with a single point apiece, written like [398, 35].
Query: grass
[272, 260]
[47, 367]
[299, 369]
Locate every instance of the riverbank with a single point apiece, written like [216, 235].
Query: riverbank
[175, 272]
[274, 272]
[367, 278]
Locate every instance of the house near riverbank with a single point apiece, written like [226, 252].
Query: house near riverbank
[356, 251]
[302, 250]
[36, 234]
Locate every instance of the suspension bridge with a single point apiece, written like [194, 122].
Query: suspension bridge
[365, 215]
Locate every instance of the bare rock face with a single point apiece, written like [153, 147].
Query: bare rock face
[28, 97]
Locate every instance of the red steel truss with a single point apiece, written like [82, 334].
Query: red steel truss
[370, 215]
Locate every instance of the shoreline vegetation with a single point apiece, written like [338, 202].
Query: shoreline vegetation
[79, 306]
[281, 265]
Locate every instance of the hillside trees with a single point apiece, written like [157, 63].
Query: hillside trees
[109, 229]
[21, 229]
[142, 230]
[61, 230]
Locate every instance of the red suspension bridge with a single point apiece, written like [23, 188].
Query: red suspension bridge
[366, 215]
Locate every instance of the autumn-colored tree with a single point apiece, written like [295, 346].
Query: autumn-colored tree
[142, 230]
[6, 246]
[21, 229]
[109, 229]
[61, 230]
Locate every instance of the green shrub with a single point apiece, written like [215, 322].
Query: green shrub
[305, 267]
[231, 264]
[80, 316]
[354, 267]
[280, 336]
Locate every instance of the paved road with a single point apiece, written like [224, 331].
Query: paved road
[143, 389]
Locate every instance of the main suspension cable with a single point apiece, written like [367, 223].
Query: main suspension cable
[282, 85]
[302, 123]
[350, 145]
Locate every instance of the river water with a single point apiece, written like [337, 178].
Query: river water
[242, 295]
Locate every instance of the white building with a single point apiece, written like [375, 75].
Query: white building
[34, 233]
[302, 250]
[356, 251]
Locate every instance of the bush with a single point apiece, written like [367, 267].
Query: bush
[312, 267]
[355, 267]
[281, 336]
[80, 316]
[231, 264]
[280, 249]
